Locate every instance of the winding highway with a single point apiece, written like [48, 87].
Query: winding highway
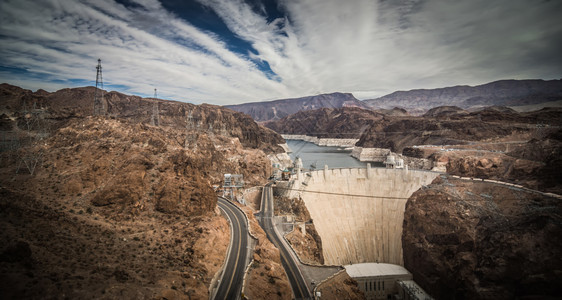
[230, 286]
[298, 284]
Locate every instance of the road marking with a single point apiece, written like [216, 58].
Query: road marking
[239, 246]
[280, 245]
[226, 208]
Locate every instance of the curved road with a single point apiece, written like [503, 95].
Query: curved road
[298, 284]
[230, 286]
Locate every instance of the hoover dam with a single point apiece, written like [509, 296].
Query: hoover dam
[357, 212]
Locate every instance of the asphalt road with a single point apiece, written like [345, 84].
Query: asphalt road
[296, 279]
[230, 286]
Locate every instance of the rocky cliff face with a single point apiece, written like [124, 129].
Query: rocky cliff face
[113, 207]
[278, 109]
[308, 246]
[346, 122]
[503, 92]
[478, 240]
[66, 104]
[444, 126]
[493, 143]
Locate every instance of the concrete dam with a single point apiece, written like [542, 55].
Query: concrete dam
[358, 213]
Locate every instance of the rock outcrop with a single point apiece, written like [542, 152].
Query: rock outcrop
[478, 240]
[306, 243]
[341, 286]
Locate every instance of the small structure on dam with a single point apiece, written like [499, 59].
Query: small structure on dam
[358, 213]
[392, 162]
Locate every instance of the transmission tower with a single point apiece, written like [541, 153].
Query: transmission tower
[190, 136]
[189, 124]
[224, 132]
[98, 94]
[155, 114]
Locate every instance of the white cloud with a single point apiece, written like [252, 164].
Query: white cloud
[372, 48]
[366, 47]
[65, 38]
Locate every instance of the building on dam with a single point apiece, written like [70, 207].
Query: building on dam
[385, 281]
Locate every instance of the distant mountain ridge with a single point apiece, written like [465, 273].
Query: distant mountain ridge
[345, 122]
[499, 93]
[278, 109]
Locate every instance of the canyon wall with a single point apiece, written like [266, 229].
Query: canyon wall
[358, 213]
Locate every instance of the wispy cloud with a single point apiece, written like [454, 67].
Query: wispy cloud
[366, 47]
[141, 48]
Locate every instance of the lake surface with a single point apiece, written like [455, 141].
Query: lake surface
[312, 154]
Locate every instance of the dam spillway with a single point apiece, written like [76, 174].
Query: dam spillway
[358, 229]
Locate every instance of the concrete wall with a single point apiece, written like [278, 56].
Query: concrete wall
[360, 229]
[329, 142]
[380, 154]
[370, 154]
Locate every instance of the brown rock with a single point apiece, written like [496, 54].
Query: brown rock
[477, 240]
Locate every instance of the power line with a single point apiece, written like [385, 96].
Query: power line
[343, 194]
[397, 198]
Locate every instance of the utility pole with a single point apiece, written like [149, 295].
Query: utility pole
[99, 109]
[155, 114]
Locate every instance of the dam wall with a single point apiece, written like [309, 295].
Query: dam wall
[358, 213]
[329, 142]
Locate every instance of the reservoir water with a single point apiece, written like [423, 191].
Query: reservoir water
[312, 154]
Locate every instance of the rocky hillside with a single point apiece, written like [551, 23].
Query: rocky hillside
[449, 126]
[278, 109]
[113, 207]
[502, 93]
[66, 104]
[535, 164]
[308, 246]
[478, 240]
[345, 122]
[493, 143]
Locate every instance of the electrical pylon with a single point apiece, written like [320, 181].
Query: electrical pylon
[155, 114]
[190, 136]
[99, 109]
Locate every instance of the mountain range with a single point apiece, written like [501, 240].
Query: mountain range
[497, 93]
[278, 109]
[534, 93]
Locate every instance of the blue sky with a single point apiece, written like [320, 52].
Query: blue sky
[235, 51]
